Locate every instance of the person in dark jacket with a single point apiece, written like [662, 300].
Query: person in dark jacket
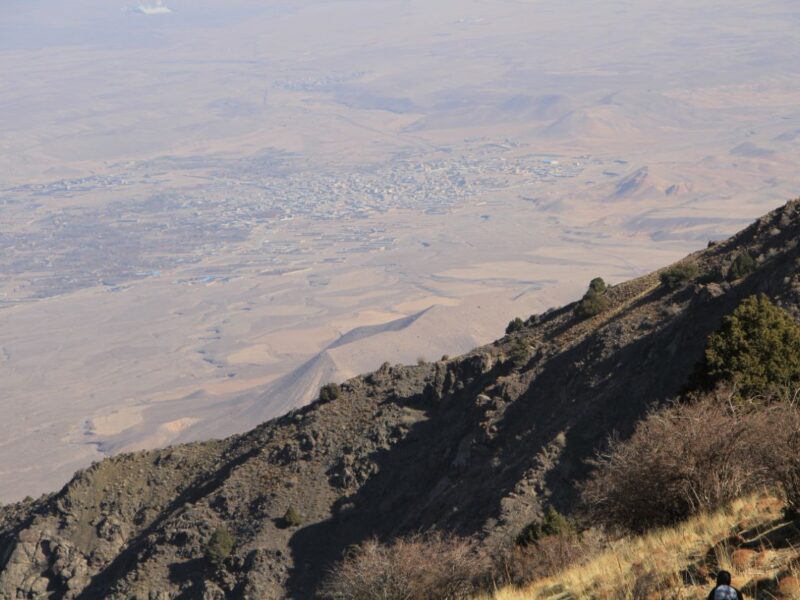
[724, 590]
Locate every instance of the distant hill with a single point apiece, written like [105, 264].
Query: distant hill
[476, 445]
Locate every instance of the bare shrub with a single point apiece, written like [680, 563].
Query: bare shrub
[653, 584]
[681, 460]
[518, 565]
[781, 457]
[431, 567]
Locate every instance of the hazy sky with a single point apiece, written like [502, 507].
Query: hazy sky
[76, 70]
[558, 44]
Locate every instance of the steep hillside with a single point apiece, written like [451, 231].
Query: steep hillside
[479, 444]
[751, 539]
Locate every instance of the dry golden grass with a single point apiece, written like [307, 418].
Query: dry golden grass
[749, 539]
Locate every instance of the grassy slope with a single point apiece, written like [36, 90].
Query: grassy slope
[750, 539]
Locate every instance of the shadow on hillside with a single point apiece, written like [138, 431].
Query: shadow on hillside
[604, 384]
[401, 497]
[775, 535]
[418, 484]
[190, 572]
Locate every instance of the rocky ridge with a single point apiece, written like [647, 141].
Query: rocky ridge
[475, 445]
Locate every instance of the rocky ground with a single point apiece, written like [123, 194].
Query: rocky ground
[476, 445]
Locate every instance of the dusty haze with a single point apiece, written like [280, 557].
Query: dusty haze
[209, 208]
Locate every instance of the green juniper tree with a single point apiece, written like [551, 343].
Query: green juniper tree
[220, 546]
[594, 301]
[757, 349]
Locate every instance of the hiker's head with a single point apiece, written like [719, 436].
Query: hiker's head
[723, 578]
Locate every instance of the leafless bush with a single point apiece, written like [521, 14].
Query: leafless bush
[518, 565]
[652, 584]
[681, 460]
[781, 456]
[430, 567]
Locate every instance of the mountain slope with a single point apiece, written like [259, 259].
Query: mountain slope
[479, 444]
[751, 539]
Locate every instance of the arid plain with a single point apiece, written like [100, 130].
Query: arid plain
[207, 212]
